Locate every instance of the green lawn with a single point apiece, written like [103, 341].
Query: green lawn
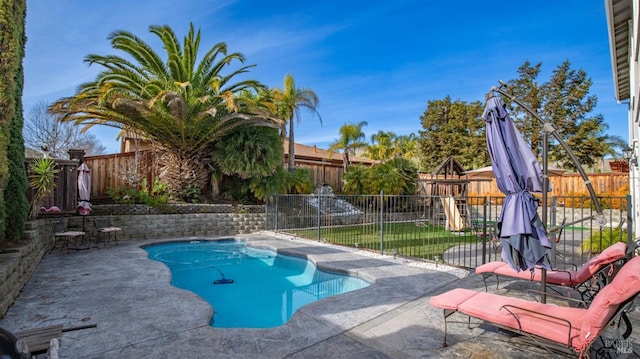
[406, 237]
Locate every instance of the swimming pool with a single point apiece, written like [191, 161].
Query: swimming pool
[248, 287]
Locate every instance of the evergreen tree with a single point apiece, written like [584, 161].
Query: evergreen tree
[564, 101]
[525, 88]
[13, 175]
[453, 128]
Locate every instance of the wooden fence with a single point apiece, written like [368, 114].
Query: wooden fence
[111, 171]
[567, 184]
[119, 170]
[65, 193]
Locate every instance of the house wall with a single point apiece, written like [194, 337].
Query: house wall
[622, 16]
[634, 113]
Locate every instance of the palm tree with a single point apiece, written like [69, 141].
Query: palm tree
[290, 100]
[249, 153]
[384, 146]
[182, 106]
[410, 148]
[351, 138]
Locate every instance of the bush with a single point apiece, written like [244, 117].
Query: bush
[190, 193]
[602, 239]
[300, 181]
[397, 176]
[583, 200]
[42, 176]
[156, 197]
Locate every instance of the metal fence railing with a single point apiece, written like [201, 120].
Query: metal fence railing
[459, 231]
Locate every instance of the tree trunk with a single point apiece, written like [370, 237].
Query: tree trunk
[345, 160]
[292, 155]
[180, 168]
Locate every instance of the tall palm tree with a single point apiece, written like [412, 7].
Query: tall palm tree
[290, 100]
[182, 106]
[384, 146]
[410, 148]
[351, 138]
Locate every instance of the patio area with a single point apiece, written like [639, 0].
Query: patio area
[140, 315]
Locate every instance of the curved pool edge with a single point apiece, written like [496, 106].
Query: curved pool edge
[290, 251]
[193, 298]
[392, 282]
[276, 250]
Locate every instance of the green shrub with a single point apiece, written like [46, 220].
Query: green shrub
[300, 181]
[190, 193]
[397, 176]
[156, 197]
[123, 195]
[600, 240]
[42, 176]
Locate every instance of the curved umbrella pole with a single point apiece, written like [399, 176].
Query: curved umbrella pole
[599, 217]
[550, 129]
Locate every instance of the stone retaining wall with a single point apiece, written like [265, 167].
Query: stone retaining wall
[183, 220]
[18, 262]
[182, 225]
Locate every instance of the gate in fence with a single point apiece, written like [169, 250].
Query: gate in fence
[459, 231]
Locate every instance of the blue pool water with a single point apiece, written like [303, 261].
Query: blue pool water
[267, 288]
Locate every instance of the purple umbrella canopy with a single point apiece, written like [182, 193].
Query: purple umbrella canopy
[524, 239]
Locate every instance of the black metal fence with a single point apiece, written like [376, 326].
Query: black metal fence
[455, 230]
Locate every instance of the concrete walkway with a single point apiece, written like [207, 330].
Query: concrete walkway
[140, 315]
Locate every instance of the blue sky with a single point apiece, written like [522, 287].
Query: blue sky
[374, 61]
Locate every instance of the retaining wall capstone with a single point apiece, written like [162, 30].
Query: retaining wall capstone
[20, 260]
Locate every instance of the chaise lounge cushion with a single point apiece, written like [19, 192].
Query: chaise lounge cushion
[574, 327]
[452, 299]
[609, 255]
[489, 307]
[564, 278]
[624, 286]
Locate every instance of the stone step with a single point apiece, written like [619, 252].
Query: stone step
[30, 234]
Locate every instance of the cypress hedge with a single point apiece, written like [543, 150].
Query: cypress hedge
[14, 206]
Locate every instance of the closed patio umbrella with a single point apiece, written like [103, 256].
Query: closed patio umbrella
[84, 191]
[525, 243]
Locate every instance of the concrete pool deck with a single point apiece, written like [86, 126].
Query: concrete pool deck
[140, 315]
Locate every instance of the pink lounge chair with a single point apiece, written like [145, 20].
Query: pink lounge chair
[587, 280]
[571, 330]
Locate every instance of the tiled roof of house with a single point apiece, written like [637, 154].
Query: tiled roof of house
[312, 153]
[319, 154]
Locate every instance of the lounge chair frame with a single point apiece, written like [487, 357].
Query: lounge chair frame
[545, 325]
[554, 348]
[587, 289]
